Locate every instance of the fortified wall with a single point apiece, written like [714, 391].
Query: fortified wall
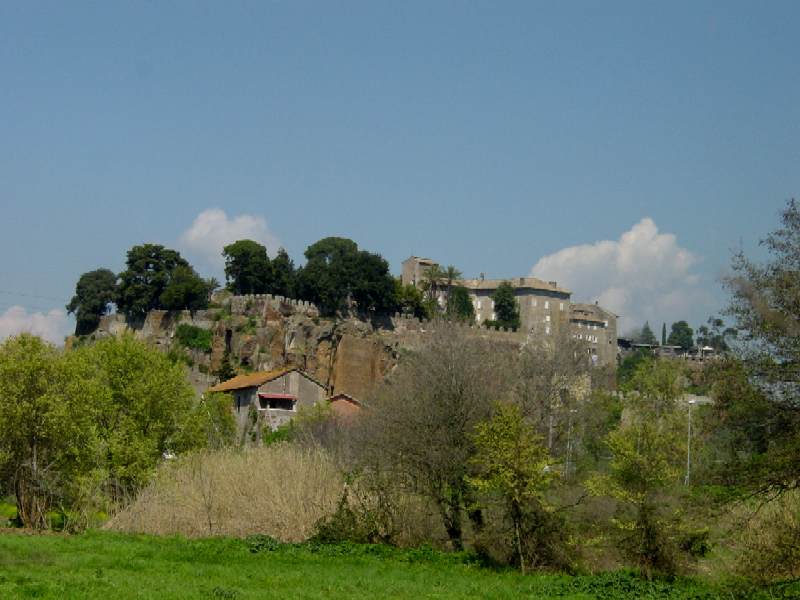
[265, 332]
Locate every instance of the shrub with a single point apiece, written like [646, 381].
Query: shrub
[770, 541]
[196, 338]
[281, 491]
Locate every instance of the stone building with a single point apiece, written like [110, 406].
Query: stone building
[597, 328]
[544, 309]
[414, 268]
[272, 397]
[543, 306]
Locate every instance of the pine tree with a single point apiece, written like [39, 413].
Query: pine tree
[663, 334]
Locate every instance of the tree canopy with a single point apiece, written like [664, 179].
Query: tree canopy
[247, 267]
[337, 274]
[159, 278]
[505, 307]
[94, 292]
[681, 335]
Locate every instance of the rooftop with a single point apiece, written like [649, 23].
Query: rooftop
[531, 283]
[257, 379]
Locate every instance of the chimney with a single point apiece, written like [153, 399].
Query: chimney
[483, 275]
[553, 283]
[522, 281]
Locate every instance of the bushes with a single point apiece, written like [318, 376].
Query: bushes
[770, 542]
[280, 490]
[195, 338]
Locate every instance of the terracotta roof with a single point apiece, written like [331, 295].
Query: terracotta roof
[250, 380]
[516, 282]
[258, 378]
[343, 396]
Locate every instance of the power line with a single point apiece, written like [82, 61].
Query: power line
[24, 295]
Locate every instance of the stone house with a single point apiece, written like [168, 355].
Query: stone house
[272, 397]
[543, 306]
[413, 269]
[597, 328]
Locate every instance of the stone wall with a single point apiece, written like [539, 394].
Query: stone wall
[265, 332]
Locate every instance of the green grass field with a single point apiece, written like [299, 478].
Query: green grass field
[113, 566]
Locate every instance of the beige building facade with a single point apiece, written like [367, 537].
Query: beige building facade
[545, 309]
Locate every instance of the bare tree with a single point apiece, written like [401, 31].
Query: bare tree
[420, 424]
[552, 378]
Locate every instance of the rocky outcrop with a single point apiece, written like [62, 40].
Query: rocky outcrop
[266, 332]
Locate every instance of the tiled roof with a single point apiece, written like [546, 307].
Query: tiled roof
[516, 282]
[258, 378]
[250, 380]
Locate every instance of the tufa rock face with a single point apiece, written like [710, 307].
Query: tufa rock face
[265, 333]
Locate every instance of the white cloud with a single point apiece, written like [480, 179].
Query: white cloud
[212, 229]
[645, 275]
[52, 326]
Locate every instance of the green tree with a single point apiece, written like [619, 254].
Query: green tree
[505, 307]
[283, 275]
[410, 300]
[715, 335]
[226, 370]
[149, 271]
[663, 334]
[210, 424]
[459, 305]
[337, 275]
[646, 336]
[513, 462]
[647, 454]
[148, 403]
[94, 292]
[186, 290]
[681, 335]
[247, 267]
[764, 305]
[47, 440]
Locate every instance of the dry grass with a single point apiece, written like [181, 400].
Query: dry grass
[280, 490]
[769, 543]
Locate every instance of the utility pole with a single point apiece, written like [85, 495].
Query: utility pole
[689, 445]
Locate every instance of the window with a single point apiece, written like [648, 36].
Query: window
[494, 316]
[547, 318]
[547, 304]
[533, 301]
[478, 318]
[547, 330]
[493, 306]
[478, 304]
[560, 306]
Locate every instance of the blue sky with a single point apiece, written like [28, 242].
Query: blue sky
[622, 148]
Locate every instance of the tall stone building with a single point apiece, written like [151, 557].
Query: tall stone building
[414, 268]
[597, 328]
[543, 306]
[544, 309]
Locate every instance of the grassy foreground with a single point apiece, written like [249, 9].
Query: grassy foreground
[106, 565]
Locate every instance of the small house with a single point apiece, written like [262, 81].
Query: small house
[344, 407]
[274, 397]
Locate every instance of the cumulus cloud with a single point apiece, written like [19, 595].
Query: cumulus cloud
[52, 326]
[212, 229]
[644, 275]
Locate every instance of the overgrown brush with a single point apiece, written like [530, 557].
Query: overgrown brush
[281, 491]
[770, 541]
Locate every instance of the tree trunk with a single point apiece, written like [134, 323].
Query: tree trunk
[516, 517]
